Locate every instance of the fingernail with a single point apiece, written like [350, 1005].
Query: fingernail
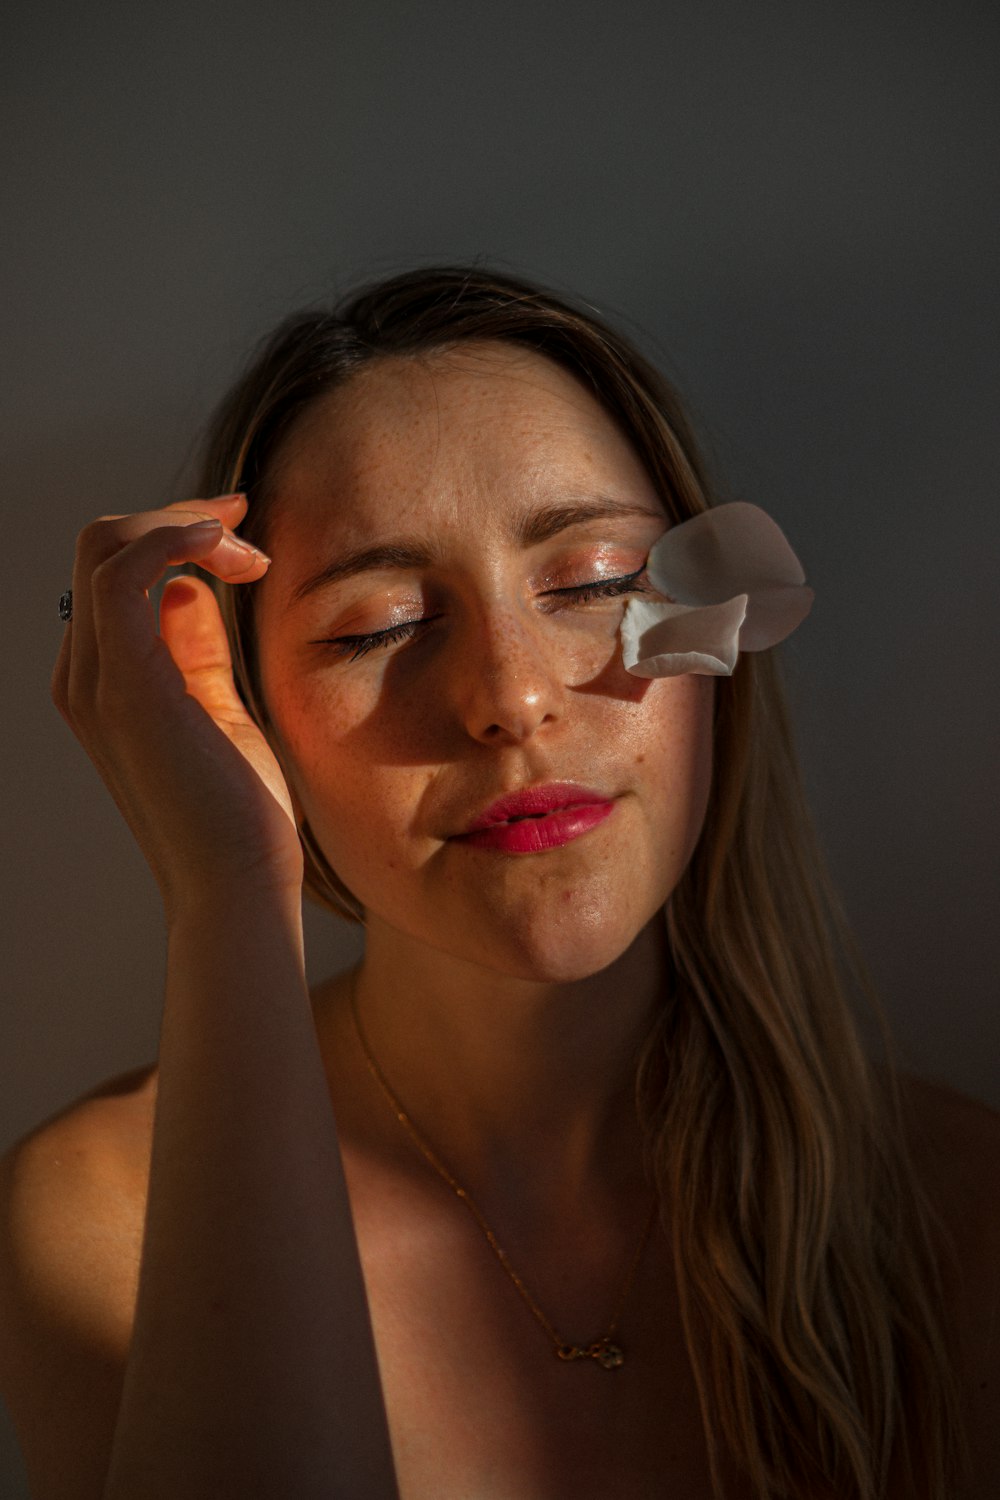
[204, 526]
[249, 547]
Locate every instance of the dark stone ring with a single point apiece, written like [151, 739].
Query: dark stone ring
[66, 606]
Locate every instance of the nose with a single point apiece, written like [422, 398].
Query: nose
[511, 686]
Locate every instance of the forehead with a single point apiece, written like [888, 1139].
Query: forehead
[475, 432]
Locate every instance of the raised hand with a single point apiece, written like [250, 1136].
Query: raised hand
[157, 711]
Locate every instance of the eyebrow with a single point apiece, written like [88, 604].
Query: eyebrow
[409, 553]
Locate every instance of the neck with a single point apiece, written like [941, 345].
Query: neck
[497, 1072]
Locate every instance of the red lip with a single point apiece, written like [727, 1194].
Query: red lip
[537, 818]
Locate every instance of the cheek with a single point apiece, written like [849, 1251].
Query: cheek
[351, 768]
[333, 730]
[676, 758]
[587, 646]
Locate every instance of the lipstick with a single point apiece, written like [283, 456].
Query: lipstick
[538, 818]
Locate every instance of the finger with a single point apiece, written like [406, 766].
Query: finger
[192, 628]
[114, 631]
[102, 539]
[231, 509]
[230, 558]
[100, 557]
[60, 674]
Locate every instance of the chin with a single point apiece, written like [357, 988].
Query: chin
[561, 941]
[548, 919]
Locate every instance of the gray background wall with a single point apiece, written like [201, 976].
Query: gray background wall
[797, 202]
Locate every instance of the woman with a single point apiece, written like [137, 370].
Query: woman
[604, 1204]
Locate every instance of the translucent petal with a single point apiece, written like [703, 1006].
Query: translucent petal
[666, 640]
[735, 549]
[730, 560]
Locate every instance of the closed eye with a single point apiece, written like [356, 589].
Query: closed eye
[601, 588]
[355, 646]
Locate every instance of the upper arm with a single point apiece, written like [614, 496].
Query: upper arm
[70, 1240]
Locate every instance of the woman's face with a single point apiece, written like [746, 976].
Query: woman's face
[439, 629]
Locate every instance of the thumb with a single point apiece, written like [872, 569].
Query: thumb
[192, 630]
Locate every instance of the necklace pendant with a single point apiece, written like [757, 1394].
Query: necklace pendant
[609, 1356]
[571, 1351]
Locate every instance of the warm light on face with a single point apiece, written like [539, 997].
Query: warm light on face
[455, 540]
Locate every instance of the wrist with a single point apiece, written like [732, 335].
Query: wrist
[224, 905]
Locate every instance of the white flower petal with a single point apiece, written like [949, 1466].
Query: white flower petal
[734, 549]
[731, 583]
[660, 639]
[772, 614]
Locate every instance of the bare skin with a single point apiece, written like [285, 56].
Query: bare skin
[504, 998]
[476, 1406]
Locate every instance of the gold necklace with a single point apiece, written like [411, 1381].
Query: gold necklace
[606, 1350]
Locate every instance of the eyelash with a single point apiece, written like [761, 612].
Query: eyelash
[354, 646]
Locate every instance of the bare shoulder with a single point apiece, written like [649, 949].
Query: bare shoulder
[955, 1144]
[72, 1200]
[955, 1141]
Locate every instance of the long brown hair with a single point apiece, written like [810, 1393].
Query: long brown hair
[804, 1247]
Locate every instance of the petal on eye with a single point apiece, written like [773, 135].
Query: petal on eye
[731, 550]
[661, 639]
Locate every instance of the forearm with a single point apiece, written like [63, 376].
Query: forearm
[252, 1368]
